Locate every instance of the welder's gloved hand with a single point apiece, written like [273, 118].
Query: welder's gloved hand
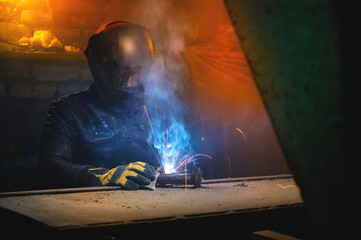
[129, 176]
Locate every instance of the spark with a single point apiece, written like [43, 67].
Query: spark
[146, 112]
[185, 176]
[287, 186]
[244, 136]
[189, 159]
[173, 155]
[150, 145]
[201, 154]
[230, 168]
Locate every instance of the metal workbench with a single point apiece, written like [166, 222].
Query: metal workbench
[250, 203]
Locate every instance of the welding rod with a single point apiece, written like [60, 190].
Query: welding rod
[194, 178]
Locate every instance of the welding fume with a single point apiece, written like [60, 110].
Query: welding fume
[109, 133]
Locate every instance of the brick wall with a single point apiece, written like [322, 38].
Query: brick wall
[28, 83]
[74, 22]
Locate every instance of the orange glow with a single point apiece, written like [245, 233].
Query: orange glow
[45, 39]
[226, 95]
[108, 25]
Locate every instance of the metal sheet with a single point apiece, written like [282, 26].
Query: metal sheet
[293, 50]
[83, 209]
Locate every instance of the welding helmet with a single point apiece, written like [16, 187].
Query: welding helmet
[119, 55]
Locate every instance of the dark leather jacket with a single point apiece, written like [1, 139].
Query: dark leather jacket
[81, 133]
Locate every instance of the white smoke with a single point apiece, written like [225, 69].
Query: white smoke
[164, 86]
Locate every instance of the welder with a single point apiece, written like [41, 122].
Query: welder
[98, 136]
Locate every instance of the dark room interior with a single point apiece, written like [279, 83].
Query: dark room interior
[253, 96]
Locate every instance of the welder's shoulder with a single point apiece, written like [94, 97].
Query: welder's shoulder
[69, 103]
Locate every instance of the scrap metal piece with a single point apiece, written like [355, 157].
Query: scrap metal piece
[194, 178]
[153, 183]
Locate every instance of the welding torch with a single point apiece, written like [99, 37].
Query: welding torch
[194, 178]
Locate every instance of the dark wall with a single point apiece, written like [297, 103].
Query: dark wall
[28, 83]
[293, 49]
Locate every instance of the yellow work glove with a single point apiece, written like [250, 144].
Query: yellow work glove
[129, 176]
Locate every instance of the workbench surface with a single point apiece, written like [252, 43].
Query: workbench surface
[84, 209]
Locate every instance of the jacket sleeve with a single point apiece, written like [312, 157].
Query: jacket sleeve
[58, 141]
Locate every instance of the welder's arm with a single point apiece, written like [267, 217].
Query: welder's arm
[56, 150]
